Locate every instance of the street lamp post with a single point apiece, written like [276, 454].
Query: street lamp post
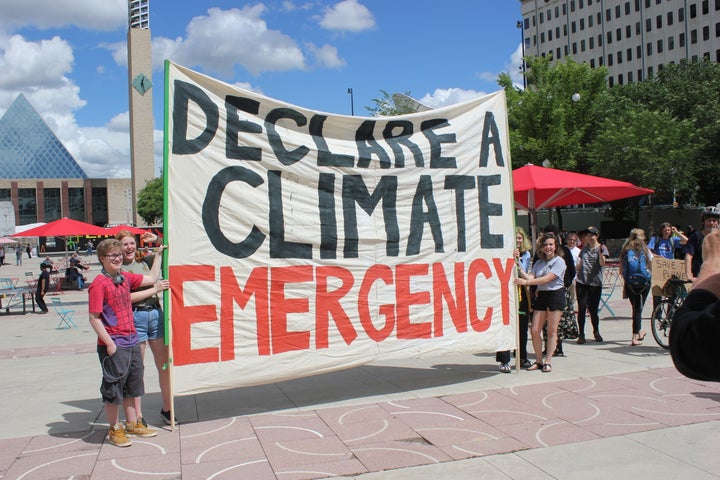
[352, 106]
[521, 26]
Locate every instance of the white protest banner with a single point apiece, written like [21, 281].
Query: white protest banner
[302, 242]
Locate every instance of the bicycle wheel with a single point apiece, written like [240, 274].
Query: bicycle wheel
[661, 320]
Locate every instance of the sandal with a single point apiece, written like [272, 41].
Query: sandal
[547, 368]
[635, 342]
[641, 335]
[535, 366]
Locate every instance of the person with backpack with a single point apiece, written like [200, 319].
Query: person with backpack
[635, 260]
[668, 241]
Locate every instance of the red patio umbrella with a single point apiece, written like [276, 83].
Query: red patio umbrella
[64, 227]
[538, 187]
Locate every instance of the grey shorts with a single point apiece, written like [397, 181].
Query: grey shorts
[122, 374]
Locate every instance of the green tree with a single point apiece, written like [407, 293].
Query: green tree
[150, 202]
[388, 105]
[552, 119]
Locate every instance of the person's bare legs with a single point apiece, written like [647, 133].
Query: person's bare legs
[553, 320]
[538, 322]
[160, 353]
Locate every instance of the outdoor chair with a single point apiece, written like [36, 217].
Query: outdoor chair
[65, 314]
[31, 280]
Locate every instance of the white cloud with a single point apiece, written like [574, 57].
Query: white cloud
[32, 65]
[327, 56]
[513, 67]
[103, 15]
[349, 16]
[248, 86]
[443, 97]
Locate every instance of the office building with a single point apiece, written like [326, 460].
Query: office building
[634, 39]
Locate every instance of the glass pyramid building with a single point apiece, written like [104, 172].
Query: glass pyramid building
[29, 149]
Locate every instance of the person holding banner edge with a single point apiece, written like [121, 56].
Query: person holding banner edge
[110, 312]
[148, 317]
[547, 273]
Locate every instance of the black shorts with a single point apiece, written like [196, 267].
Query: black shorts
[552, 300]
[122, 374]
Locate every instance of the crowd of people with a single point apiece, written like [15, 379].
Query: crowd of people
[562, 283]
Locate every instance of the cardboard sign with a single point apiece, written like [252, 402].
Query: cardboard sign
[662, 270]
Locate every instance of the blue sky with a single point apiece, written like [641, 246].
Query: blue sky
[69, 57]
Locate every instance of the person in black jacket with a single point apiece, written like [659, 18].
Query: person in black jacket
[695, 332]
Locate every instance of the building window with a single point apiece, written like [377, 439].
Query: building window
[637, 5]
[681, 40]
[693, 36]
[639, 51]
[717, 28]
[565, 30]
[658, 22]
[628, 54]
[99, 206]
[557, 52]
[617, 11]
[650, 72]
[628, 31]
[609, 38]
[608, 15]
[706, 33]
[620, 79]
[580, 4]
[564, 7]
[557, 12]
[618, 34]
[640, 77]
[627, 8]
[542, 18]
[599, 18]
[610, 59]
[27, 206]
[630, 77]
[582, 24]
[592, 62]
[574, 48]
[52, 201]
[693, 11]
[717, 56]
[76, 203]
[681, 15]
[573, 27]
[592, 42]
[647, 3]
[611, 82]
[600, 43]
[637, 28]
[567, 52]
[590, 20]
[705, 7]
[648, 49]
[670, 18]
[572, 5]
[549, 15]
[660, 46]
[542, 38]
[671, 43]
[557, 32]
[582, 45]
[648, 25]
[717, 5]
[619, 57]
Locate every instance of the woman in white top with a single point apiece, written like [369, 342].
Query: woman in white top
[547, 273]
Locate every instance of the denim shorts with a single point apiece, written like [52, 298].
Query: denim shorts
[150, 324]
[122, 374]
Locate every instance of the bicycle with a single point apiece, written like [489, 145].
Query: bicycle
[664, 311]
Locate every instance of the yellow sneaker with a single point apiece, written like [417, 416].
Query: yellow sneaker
[140, 429]
[116, 436]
